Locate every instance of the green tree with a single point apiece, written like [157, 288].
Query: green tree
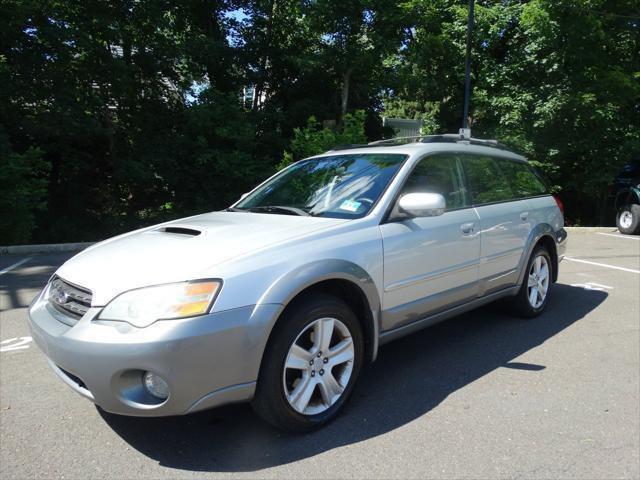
[139, 107]
[314, 139]
[23, 190]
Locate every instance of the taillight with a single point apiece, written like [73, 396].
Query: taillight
[559, 202]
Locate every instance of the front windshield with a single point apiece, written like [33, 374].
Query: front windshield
[338, 186]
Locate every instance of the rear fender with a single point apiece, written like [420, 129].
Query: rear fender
[537, 233]
[627, 196]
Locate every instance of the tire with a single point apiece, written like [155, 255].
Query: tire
[521, 305]
[307, 319]
[628, 219]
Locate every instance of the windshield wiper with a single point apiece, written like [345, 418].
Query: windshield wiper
[280, 209]
[234, 209]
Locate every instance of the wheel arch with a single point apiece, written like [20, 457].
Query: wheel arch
[343, 279]
[627, 196]
[548, 242]
[542, 234]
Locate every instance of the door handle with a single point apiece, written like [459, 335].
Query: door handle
[524, 216]
[466, 228]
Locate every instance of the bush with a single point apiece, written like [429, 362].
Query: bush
[23, 190]
[315, 139]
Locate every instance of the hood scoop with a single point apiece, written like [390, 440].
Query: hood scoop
[180, 230]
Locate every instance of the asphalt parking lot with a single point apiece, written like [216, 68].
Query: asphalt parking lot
[480, 396]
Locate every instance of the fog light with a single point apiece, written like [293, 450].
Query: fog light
[156, 385]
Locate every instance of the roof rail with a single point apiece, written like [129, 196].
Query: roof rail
[391, 141]
[442, 138]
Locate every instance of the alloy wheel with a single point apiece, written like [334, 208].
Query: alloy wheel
[538, 281]
[318, 366]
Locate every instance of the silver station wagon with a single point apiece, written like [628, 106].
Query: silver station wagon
[283, 297]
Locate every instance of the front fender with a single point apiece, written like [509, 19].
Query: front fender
[289, 285]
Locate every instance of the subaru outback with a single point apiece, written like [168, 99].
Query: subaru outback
[282, 298]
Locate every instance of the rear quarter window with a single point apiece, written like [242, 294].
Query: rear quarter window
[524, 182]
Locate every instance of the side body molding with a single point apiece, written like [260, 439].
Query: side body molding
[285, 288]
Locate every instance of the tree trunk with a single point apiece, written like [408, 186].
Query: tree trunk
[262, 70]
[217, 63]
[260, 84]
[346, 81]
[602, 209]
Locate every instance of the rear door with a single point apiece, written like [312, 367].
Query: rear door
[431, 263]
[504, 220]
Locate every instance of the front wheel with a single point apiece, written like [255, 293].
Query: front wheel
[533, 296]
[628, 219]
[311, 364]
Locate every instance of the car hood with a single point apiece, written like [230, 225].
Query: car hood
[180, 250]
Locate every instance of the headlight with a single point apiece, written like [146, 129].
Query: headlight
[144, 306]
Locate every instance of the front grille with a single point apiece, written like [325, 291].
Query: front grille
[71, 300]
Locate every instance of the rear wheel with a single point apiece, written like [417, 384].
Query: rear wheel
[311, 364]
[628, 219]
[533, 296]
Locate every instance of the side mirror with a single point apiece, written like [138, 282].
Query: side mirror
[422, 204]
[243, 196]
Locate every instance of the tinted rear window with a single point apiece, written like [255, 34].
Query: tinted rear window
[524, 182]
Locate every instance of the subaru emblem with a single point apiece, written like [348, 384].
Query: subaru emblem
[61, 297]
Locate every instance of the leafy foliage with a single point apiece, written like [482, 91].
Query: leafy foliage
[314, 139]
[121, 113]
[23, 187]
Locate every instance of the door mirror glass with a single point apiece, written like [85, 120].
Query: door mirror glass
[422, 204]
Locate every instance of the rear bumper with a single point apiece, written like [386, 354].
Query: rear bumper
[206, 361]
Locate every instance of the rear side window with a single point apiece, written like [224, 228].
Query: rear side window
[487, 180]
[524, 181]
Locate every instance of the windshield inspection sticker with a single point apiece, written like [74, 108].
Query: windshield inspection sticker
[350, 205]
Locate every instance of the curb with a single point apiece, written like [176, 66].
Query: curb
[592, 229]
[44, 248]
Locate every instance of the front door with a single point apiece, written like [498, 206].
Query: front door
[431, 263]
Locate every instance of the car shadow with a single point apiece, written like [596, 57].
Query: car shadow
[412, 376]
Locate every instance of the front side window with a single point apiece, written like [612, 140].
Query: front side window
[524, 182]
[439, 174]
[487, 180]
[338, 186]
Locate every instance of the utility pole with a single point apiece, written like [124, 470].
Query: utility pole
[467, 75]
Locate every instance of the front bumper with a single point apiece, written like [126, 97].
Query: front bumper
[207, 361]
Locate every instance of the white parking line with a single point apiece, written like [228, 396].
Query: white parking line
[631, 270]
[599, 285]
[15, 265]
[628, 237]
[17, 343]
[592, 286]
